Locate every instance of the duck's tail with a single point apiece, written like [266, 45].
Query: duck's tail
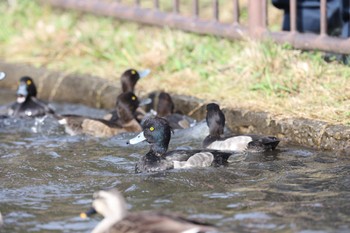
[264, 144]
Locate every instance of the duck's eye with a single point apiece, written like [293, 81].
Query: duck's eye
[133, 72]
[151, 128]
[29, 82]
[133, 97]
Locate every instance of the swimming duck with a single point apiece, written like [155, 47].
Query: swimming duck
[165, 109]
[27, 105]
[126, 105]
[112, 206]
[128, 81]
[239, 143]
[157, 132]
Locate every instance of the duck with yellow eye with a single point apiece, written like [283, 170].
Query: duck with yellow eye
[157, 132]
[128, 82]
[27, 105]
[126, 105]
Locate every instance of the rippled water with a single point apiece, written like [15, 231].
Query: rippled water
[47, 178]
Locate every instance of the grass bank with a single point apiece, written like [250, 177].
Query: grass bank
[245, 74]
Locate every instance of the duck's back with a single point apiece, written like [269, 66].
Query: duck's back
[158, 223]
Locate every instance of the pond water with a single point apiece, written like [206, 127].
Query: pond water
[47, 178]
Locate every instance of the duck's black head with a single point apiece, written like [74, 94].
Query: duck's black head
[215, 120]
[157, 132]
[26, 89]
[126, 106]
[165, 105]
[130, 77]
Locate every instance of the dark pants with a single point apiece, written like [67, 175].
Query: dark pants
[308, 16]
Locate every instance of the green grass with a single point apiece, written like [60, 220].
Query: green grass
[259, 76]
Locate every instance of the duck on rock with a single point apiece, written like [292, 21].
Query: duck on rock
[126, 105]
[128, 81]
[238, 143]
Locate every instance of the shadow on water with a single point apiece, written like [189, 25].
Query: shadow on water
[47, 178]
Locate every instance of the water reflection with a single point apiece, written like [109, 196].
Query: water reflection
[47, 178]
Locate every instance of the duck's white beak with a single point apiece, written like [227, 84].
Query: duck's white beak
[2, 75]
[144, 73]
[145, 101]
[139, 138]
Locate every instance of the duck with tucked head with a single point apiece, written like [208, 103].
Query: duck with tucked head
[27, 105]
[128, 81]
[165, 109]
[126, 106]
[112, 206]
[157, 132]
[239, 143]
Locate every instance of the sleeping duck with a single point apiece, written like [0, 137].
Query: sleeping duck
[157, 132]
[126, 105]
[27, 105]
[239, 143]
[128, 81]
[165, 109]
[112, 206]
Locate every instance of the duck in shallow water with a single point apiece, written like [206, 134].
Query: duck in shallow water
[157, 132]
[239, 143]
[27, 105]
[165, 109]
[126, 105]
[112, 206]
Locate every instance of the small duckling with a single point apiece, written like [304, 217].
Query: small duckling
[157, 132]
[27, 105]
[126, 105]
[165, 109]
[239, 143]
[112, 206]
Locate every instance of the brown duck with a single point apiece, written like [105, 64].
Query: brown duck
[112, 206]
[126, 105]
[128, 82]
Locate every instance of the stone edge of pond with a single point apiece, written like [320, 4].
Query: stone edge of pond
[100, 93]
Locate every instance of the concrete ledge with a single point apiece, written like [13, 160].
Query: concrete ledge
[100, 93]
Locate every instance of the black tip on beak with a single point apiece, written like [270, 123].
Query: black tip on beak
[88, 213]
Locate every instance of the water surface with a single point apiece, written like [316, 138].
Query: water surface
[47, 178]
